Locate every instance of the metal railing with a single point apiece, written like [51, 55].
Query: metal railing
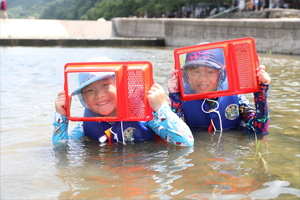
[227, 11]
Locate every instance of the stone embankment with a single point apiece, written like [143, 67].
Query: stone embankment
[276, 35]
[23, 32]
[280, 35]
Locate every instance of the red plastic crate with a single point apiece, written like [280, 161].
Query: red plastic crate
[241, 62]
[133, 81]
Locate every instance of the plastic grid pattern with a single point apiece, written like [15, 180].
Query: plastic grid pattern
[244, 65]
[136, 94]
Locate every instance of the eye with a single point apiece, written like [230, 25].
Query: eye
[211, 71]
[87, 91]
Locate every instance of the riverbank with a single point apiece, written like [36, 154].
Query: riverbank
[23, 32]
[276, 35]
[271, 35]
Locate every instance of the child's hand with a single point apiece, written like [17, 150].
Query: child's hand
[173, 82]
[60, 103]
[262, 76]
[156, 97]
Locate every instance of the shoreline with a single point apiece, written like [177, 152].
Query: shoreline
[279, 36]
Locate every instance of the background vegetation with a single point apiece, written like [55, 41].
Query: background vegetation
[94, 9]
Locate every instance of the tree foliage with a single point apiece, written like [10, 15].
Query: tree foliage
[94, 9]
[68, 9]
[22, 9]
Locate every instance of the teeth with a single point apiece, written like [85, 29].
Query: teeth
[203, 87]
[99, 104]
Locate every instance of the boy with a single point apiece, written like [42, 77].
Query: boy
[97, 93]
[204, 75]
[204, 71]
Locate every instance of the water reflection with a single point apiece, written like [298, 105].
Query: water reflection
[274, 189]
[229, 167]
[235, 165]
[109, 171]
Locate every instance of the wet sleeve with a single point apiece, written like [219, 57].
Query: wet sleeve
[256, 119]
[60, 132]
[176, 104]
[168, 126]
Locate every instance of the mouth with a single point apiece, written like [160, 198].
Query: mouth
[203, 86]
[103, 103]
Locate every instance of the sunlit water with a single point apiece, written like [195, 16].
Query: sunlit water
[233, 166]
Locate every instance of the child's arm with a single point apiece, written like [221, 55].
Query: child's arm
[174, 95]
[258, 119]
[166, 124]
[176, 104]
[60, 133]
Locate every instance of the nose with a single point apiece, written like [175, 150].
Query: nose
[202, 77]
[100, 94]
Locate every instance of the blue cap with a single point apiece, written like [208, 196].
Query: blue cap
[86, 78]
[213, 58]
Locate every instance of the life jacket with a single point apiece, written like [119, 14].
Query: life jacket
[228, 113]
[132, 131]
[226, 110]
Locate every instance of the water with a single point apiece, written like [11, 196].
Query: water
[233, 166]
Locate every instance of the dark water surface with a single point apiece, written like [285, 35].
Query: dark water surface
[234, 165]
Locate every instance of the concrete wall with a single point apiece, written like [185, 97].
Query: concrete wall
[278, 35]
[51, 29]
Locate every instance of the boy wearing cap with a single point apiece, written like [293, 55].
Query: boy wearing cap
[204, 71]
[97, 93]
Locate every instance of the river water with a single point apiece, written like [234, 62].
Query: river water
[234, 165]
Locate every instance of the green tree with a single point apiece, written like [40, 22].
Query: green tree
[20, 9]
[68, 9]
[94, 9]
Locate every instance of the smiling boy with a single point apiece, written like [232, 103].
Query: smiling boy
[202, 79]
[204, 71]
[97, 93]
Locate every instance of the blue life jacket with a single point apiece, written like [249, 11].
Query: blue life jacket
[228, 109]
[133, 130]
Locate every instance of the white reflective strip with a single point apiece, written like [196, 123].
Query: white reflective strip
[213, 110]
[116, 135]
[123, 133]
[102, 139]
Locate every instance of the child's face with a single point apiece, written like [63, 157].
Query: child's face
[202, 79]
[100, 96]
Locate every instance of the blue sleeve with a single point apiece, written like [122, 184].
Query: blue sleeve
[256, 119]
[176, 104]
[60, 132]
[168, 126]
[261, 119]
